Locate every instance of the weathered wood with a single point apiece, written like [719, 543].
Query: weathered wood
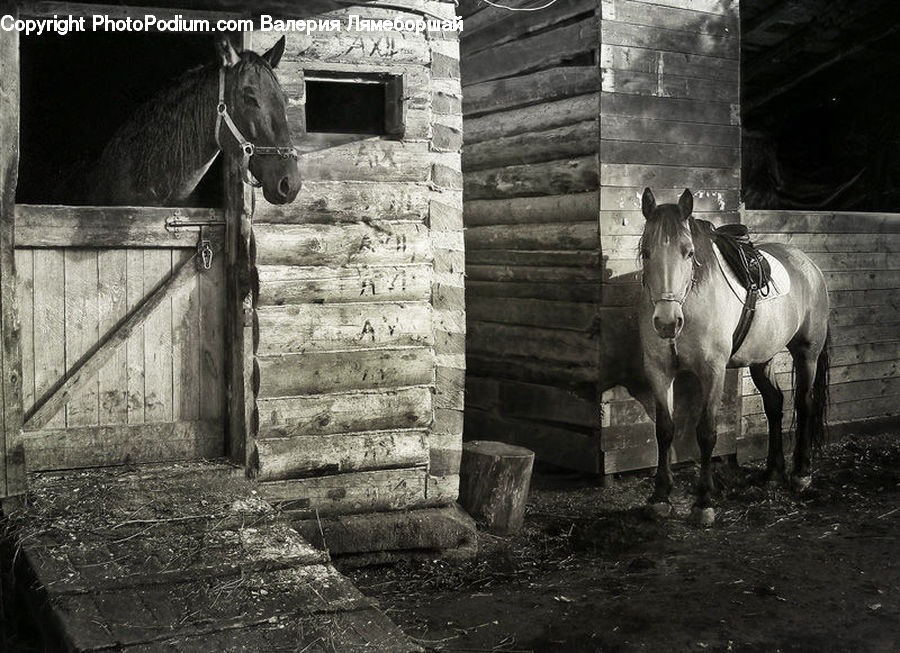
[12, 458]
[651, 130]
[306, 455]
[286, 284]
[666, 154]
[634, 82]
[494, 482]
[528, 119]
[541, 344]
[106, 226]
[288, 329]
[329, 414]
[368, 160]
[536, 274]
[550, 178]
[158, 388]
[818, 222]
[563, 142]
[81, 330]
[510, 26]
[541, 51]
[96, 446]
[286, 375]
[113, 377]
[709, 204]
[665, 40]
[531, 312]
[555, 236]
[565, 208]
[84, 369]
[514, 92]
[375, 244]
[348, 201]
[669, 109]
[570, 292]
[572, 259]
[693, 16]
[354, 492]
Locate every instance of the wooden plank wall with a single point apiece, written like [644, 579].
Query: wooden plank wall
[531, 102]
[669, 119]
[360, 304]
[857, 252]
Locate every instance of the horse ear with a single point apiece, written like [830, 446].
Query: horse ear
[648, 203]
[273, 55]
[227, 54]
[686, 204]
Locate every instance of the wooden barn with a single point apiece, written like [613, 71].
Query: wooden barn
[571, 110]
[323, 349]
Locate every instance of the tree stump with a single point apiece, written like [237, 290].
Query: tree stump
[493, 484]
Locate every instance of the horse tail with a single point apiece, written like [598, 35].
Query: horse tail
[820, 396]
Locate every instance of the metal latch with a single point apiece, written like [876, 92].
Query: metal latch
[205, 252]
[175, 223]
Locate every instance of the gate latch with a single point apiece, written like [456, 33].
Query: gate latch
[204, 250]
[177, 223]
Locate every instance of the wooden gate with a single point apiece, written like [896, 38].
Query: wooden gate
[122, 332]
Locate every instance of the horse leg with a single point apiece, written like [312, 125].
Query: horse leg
[712, 385]
[773, 402]
[805, 360]
[665, 433]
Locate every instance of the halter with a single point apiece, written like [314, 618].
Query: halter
[670, 296]
[248, 149]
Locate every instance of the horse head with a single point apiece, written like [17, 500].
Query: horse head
[668, 260]
[253, 102]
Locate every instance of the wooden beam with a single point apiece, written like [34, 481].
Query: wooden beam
[87, 366]
[815, 70]
[12, 456]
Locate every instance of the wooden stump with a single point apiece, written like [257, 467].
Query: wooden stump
[493, 484]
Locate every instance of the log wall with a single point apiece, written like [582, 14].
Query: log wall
[857, 252]
[569, 113]
[360, 318]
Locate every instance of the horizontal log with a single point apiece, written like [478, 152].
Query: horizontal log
[551, 178]
[685, 16]
[676, 41]
[562, 208]
[100, 446]
[668, 108]
[646, 59]
[287, 375]
[369, 159]
[408, 408]
[569, 292]
[534, 53]
[308, 455]
[529, 370]
[355, 492]
[726, 8]
[546, 115]
[512, 25]
[652, 131]
[823, 222]
[379, 243]
[570, 448]
[534, 88]
[628, 175]
[563, 142]
[635, 82]
[348, 201]
[541, 344]
[668, 154]
[324, 327]
[555, 236]
[287, 284]
[532, 273]
[826, 242]
[107, 226]
[532, 312]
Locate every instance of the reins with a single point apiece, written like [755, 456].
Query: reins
[248, 149]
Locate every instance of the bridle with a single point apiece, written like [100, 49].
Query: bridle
[670, 296]
[248, 149]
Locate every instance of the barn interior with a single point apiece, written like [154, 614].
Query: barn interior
[99, 78]
[821, 83]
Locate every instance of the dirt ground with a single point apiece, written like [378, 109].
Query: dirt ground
[591, 572]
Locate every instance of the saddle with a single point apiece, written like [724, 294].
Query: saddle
[751, 269]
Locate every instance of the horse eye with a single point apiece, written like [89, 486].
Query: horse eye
[690, 254]
[250, 100]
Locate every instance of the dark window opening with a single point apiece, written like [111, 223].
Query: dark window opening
[370, 106]
[76, 90]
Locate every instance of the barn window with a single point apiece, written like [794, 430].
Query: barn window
[78, 89]
[370, 105]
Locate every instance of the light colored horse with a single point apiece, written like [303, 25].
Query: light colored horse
[687, 317]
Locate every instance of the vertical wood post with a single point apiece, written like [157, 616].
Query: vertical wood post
[12, 454]
[242, 289]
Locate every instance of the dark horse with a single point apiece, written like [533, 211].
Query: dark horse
[688, 315]
[160, 154]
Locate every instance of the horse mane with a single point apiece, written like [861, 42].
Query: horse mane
[668, 225]
[157, 146]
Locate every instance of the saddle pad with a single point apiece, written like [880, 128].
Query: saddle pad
[779, 283]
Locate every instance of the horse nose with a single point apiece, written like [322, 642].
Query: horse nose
[668, 328]
[288, 188]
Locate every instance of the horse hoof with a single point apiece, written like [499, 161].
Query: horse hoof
[660, 509]
[801, 483]
[703, 516]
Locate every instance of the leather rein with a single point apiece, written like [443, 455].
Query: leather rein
[248, 149]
